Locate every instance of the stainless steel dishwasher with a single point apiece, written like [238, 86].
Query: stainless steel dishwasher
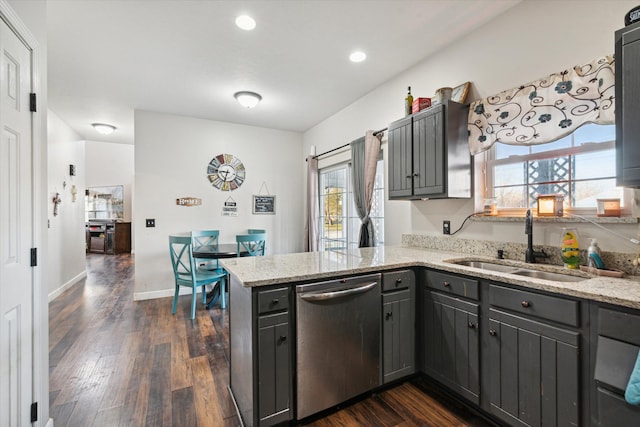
[338, 341]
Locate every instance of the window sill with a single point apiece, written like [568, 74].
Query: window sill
[556, 219]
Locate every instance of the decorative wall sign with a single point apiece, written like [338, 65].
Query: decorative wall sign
[188, 201]
[459, 93]
[264, 205]
[226, 172]
[230, 208]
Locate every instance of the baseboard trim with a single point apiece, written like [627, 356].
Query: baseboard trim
[164, 293]
[55, 294]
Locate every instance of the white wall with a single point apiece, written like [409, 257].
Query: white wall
[66, 247]
[171, 158]
[112, 164]
[529, 41]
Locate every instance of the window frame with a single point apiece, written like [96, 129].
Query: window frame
[485, 163]
[351, 213]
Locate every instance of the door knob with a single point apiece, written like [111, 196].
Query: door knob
[493, 332]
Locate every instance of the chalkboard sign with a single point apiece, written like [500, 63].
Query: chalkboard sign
[264, 205]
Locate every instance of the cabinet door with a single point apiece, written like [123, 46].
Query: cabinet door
[534, 372]
[627, 105]
[428, 155]
[398, 335]
[400, 159]
[450, 343]
[274, 369]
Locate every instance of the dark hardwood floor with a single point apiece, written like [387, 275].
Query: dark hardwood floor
[116, 362]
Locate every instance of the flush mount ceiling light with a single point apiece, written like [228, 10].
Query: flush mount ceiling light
[358, 56]
[104, 128]
[245, 22]
[248, 99]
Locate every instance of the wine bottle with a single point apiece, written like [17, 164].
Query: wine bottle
[408, 105]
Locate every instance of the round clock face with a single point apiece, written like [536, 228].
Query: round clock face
[226, 172]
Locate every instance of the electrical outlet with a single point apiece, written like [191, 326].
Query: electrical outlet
[151, 222]
[446, 227]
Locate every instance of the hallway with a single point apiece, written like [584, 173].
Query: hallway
[116, 362]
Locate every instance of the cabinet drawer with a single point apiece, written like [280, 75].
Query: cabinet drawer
[397, 280]
[544, 306]
[273, 300]
[619, 325]
[456, 285]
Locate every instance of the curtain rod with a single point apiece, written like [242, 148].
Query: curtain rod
[345, 145]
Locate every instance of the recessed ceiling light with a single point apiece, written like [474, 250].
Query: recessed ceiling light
[248, 99]
[245, 22]
[358, 56]
[104, 128]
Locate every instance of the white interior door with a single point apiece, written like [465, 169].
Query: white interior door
[16, 231]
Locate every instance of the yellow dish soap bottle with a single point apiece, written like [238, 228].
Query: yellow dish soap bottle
[570, 249]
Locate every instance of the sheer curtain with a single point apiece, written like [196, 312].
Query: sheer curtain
[364, 157]
[311, 226]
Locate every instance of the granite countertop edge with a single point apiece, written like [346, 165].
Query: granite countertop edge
[318, 266]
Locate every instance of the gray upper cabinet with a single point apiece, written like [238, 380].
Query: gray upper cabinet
[429, 154]
[627, 50]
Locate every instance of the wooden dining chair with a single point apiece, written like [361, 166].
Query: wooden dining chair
[205, 238]
[186, 273]
[253, 243]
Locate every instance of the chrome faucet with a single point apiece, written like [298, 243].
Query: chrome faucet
[531, 255]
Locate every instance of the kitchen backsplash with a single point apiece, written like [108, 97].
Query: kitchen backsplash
[514, 251]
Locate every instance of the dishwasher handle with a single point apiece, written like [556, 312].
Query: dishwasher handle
[322, 296]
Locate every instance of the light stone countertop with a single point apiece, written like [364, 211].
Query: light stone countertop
[318, 266]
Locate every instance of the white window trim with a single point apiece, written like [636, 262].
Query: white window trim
[483, 176]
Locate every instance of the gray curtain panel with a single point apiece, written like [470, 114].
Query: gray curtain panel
[364, 157]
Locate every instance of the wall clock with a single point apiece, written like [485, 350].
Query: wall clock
[226, 172]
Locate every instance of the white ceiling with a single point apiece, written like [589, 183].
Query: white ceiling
[107, 58]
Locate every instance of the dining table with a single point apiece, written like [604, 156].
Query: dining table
[219, 251]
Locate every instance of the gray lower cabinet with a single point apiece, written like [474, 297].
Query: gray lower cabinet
[450, 332]
[615, 342]
[260, 341]
[535, 363]
[274, 367]
[398, 325]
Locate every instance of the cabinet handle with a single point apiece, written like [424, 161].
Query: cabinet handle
[389, 315]
[472, 325]
[493, 332]
[398, 281]
[525, 304]
[275, 301]
[416, 175]
[282, 339]
[446, 284]
[408, 176]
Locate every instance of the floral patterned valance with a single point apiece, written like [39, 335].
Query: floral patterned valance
[547, 109]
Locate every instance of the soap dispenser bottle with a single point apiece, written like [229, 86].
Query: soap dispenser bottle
[594, 255]
[570, 248]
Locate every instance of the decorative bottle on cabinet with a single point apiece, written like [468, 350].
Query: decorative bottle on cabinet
[570, 249]
[408, 102]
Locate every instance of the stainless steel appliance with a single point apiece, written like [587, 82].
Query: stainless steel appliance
[338, 341]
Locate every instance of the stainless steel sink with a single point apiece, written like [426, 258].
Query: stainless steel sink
[520, 271]
[488, 266]
[547, 275]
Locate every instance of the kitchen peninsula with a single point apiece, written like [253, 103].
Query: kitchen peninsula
[566, 337]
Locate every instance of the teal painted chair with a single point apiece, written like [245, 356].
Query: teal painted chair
[186, 272]
[256, 231]
[205, 238]
[253, 243]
